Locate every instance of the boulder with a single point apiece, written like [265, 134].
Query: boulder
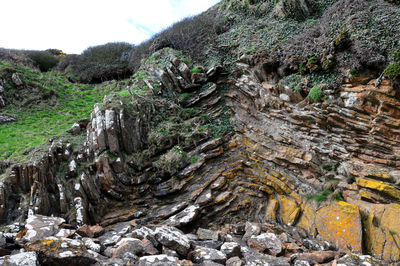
[173, 238]
[340, 223]
[205, 234]
[251, 229]
[39, 226]
[5, 119]
[231, 249]
[158, 260]
[62, 251]
[202, 254]
[184, 217]
[128, 245]
[21, 259]
[234, 261]
[267, 242]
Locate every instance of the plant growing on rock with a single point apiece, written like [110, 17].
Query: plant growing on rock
[315, 94]
[313, 64]
[392, 71]
[196, 70]
[172, 159]
[320, 197]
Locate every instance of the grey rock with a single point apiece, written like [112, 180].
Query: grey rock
[255, 258]
[16, 79]
[113, 236]
[199, 78]
[357, 259]
[169, 252]
[251, 229]
[210, 263]
[107, 262]
[202, 254]
[205, 234]
[21, 259]
[39, 226]
[284, 97]
[5, 119]
[75, 129]
[157, 260]
[109, 251]
[266, 242]
[234, 261]
[128, 245]
[231, 249]
[208, 244]
[301, 263]
[66, 252]
[91, 244]
[72, 169]
[184, 217]
[173, 238]
[2, 240]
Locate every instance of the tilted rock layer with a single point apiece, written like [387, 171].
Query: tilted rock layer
[283, 152]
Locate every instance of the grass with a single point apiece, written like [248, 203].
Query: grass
[196, 70]
[184, 96]
[320, 197]
[44, 117]
[195, 158]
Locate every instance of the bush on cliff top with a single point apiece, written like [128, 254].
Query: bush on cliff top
[99, 63]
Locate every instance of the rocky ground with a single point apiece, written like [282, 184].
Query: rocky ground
[218, 165]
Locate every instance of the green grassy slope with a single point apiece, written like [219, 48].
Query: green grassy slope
[46, 105]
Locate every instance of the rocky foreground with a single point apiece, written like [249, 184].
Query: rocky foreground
[50, 241]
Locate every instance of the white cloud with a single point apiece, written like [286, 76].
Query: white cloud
[75, 25]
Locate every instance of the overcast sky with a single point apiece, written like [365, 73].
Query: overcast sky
[74, 25]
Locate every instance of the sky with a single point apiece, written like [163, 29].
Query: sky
[74, 25]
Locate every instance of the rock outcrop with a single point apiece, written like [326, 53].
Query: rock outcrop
[299, 171]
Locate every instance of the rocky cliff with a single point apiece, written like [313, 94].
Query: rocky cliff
[227, 164]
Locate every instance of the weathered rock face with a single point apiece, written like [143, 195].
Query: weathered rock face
[297, 139]
[262, 173]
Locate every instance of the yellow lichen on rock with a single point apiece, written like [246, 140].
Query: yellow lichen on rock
[382, 231]
[289, 210]
[307, 219]
[379, 186]
[272, 209]
[340, 223]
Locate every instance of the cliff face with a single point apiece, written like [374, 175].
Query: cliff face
[272, 168]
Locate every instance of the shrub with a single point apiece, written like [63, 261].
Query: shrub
[302, 68]
[313, 64]
[108, 53]
[353, 72]
[393, 70]
[189, 36]
[99, 63]
[43, 59]
[315, 94]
